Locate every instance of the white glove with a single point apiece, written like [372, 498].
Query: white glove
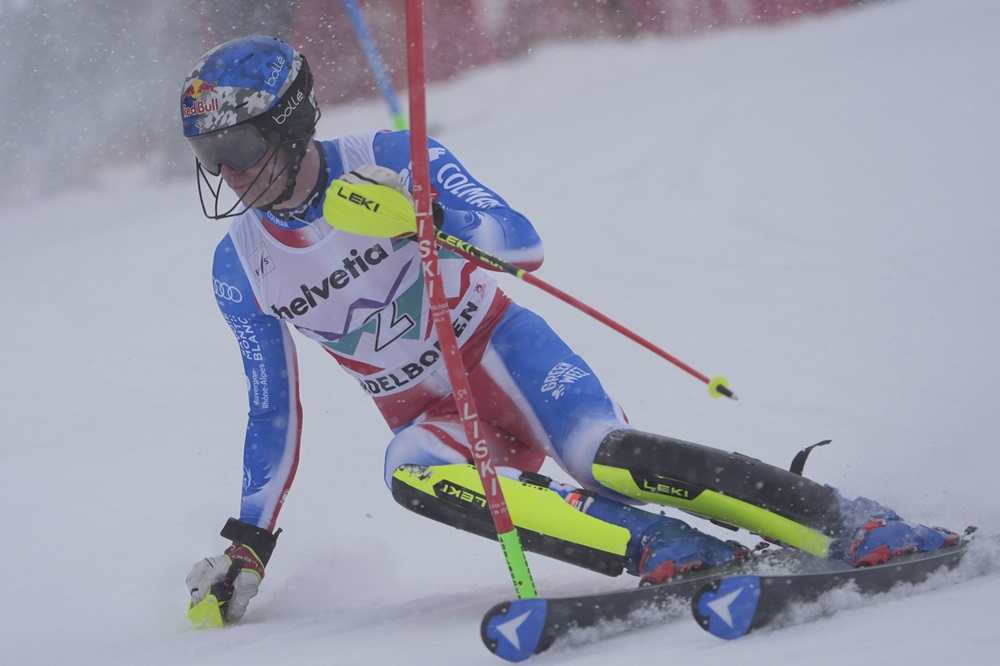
[234, 586]
[372, 174]
[233, 578]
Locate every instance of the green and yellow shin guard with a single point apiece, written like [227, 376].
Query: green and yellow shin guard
[730, 489]
[546, 523]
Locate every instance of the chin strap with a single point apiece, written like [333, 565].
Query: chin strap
[296, 154]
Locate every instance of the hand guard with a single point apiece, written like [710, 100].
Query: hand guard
[372, 174]
[221, 587]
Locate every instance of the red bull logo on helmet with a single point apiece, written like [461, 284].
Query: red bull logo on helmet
[193, 104]
[198, 88]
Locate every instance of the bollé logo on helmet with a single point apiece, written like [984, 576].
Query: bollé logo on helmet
[293, 103]
[276, 68]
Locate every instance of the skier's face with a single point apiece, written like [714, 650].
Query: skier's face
[261, 182]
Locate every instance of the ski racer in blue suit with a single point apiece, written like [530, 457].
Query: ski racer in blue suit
[249, 114]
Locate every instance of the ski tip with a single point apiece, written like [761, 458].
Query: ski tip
[513, 630]
[726, 608]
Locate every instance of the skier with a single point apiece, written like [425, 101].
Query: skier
[249, 114]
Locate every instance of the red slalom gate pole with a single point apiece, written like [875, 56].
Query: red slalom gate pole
[506, 532]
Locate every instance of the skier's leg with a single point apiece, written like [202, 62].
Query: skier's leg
[567, 523]
[553, 401]
[730, 488]
[532, 385]
[770, 501]
[439, 439]
[549, 398]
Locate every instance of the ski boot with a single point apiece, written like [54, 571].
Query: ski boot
[880, 540]
[873, 534]
[670, 547]
[659, 547]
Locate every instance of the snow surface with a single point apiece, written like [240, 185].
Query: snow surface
[811, 210]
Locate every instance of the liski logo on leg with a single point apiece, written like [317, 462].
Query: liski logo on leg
[512, 630]
[726, 609]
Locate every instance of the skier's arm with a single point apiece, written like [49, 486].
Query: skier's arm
[472, 211]
[271, 445]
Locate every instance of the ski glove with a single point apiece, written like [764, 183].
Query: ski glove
[373, 174]
[221, 587]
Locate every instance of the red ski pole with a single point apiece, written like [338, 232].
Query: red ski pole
[717, 386]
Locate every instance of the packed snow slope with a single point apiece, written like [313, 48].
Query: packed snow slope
[810, 210]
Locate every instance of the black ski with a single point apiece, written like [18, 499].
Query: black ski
[732, 606]
[728, 603]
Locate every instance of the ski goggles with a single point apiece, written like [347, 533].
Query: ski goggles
[238, 147]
